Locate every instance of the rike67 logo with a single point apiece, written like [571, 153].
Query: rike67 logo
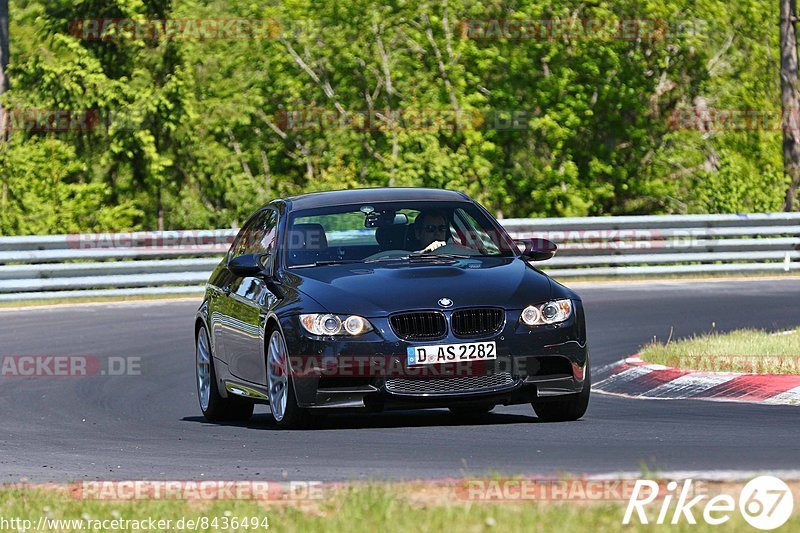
[765, 503]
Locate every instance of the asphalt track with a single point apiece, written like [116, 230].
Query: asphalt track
[149, 426]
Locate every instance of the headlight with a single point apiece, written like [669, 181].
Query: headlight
[326, 324]
[547, 313]
[355, 325]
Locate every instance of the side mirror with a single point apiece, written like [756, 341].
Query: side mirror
[539, 249]
[248, 265]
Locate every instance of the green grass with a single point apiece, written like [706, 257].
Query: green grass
[744, 350]
[370, 508]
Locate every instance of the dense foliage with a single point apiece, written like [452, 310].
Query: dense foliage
[189, 132]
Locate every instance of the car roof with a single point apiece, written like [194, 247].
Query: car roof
[377, 194]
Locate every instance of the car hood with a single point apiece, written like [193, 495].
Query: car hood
[377, 289]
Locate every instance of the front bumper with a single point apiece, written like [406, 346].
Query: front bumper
[370, 371]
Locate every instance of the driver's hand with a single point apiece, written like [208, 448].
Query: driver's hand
[433, 246]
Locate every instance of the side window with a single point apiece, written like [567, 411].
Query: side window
[238, 242]
[471, 234]
[257, 235]
[268, 236]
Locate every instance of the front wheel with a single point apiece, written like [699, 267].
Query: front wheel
[282, 399]
[215, 408]
[570, 408]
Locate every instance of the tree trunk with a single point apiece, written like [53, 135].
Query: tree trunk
[4, 85]
[160, 210]
[3, 46]
[789, 103]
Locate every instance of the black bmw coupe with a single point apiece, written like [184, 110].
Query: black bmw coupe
[386, 298]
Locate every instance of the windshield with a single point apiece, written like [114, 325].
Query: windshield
[393, 231]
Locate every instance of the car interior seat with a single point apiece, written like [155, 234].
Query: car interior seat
[392, 237]
[307, 243]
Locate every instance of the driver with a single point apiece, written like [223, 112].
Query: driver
[431, 230]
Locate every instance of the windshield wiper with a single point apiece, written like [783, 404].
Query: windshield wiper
[381, 259]
[419, 257]
[435, 256]
[327, 263]
[449, 256]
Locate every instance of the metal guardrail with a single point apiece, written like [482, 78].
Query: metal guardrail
[179, 262]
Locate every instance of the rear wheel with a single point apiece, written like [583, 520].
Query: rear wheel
[471, 410]
[570, 408]
[215, 408]
[282, 399]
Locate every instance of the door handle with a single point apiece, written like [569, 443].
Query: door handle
[227, 290]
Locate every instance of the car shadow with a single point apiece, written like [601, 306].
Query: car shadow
[384, 420]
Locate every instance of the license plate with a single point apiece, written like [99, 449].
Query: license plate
[451, 353]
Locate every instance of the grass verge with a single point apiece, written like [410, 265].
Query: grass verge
[745, 350]
[389, 507]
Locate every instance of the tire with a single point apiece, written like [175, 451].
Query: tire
[214, 407]
[280, 385]
[570, 408]
[471, 410]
